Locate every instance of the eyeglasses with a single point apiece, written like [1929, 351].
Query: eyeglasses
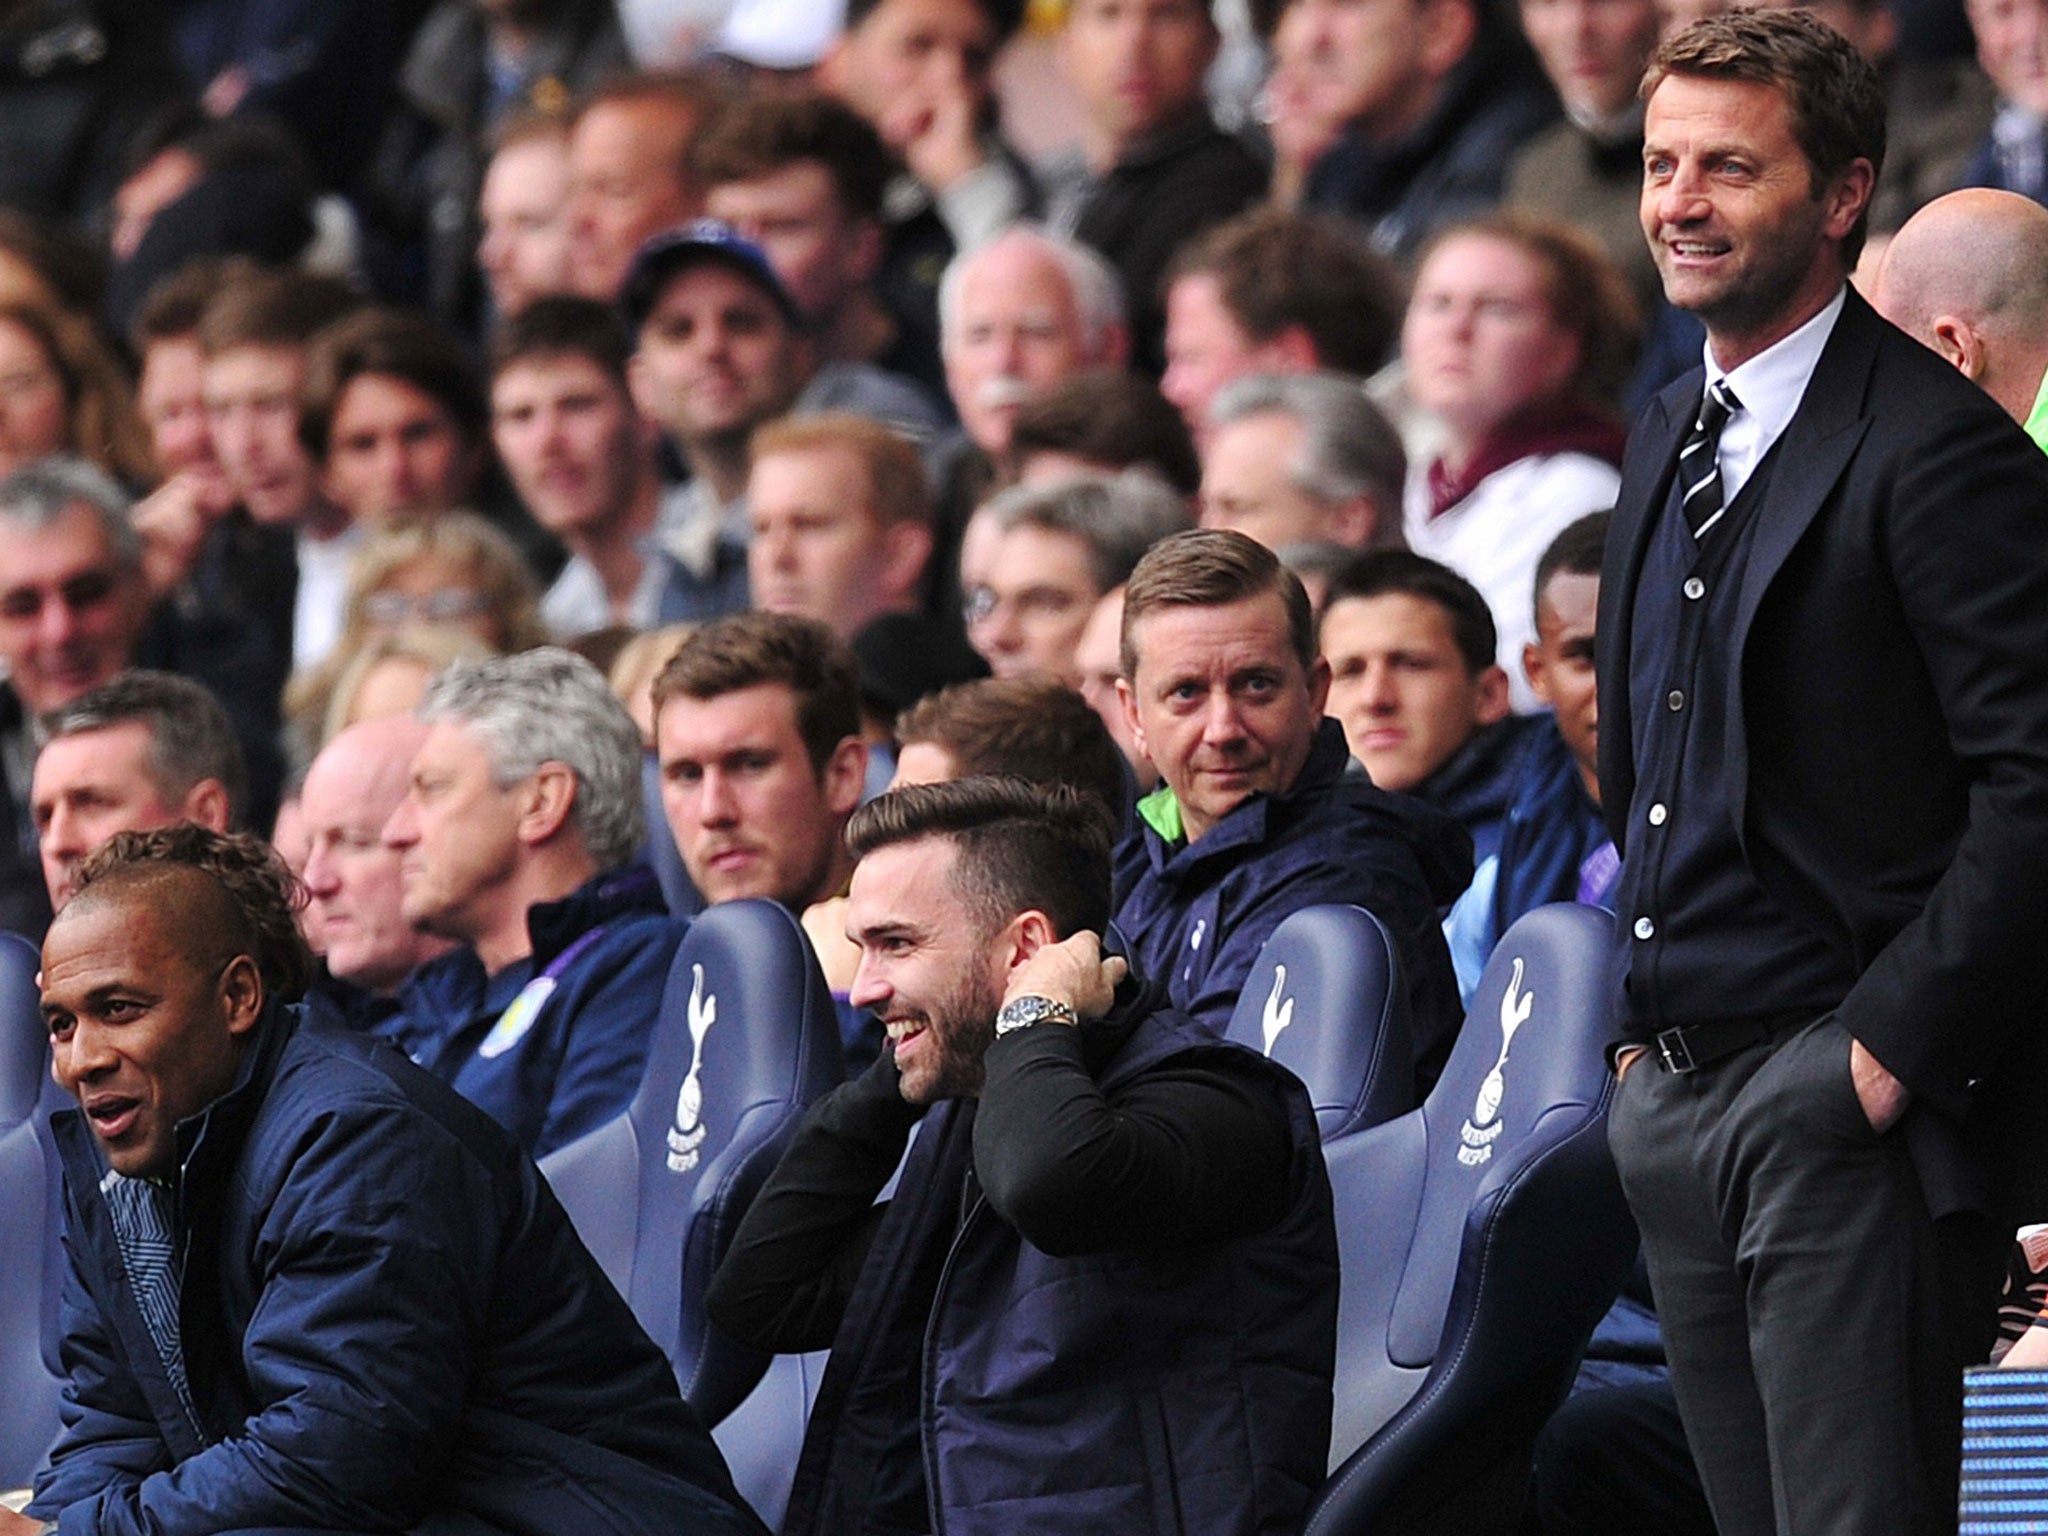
[1040, 602]
[443, 605]
[84, 591]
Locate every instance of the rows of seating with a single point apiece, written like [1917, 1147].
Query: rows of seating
[1451, 1216]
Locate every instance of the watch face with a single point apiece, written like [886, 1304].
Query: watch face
[1018, 1013]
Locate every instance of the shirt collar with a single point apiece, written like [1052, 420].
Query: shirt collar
[1770, 384]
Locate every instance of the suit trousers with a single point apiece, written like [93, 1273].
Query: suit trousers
[1815, 1324]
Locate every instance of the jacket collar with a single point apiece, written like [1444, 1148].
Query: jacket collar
[555, 925]
[1813, 453]
[448, 991]
[1478, 779]
[1190, 133]
[1247, 823]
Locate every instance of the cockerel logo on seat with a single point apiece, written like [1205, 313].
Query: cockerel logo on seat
[1279, 1009]
[1480, 1132]
[687, 1134]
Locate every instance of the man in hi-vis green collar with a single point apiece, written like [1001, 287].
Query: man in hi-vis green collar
[1967, 276]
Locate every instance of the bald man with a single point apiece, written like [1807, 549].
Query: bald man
[1967, 276]
[352, 878]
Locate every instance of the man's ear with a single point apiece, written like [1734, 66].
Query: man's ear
[1026, 934]
[844, 776]
[638, 387]
[1354, 520]
[1493, 701]
[1535, 671]
[646, 431]
[1847, 197]
[831, 71]
[868, 247]
[206, 803]
[906, 551]
[1116, 347]
[1319, 685]
[1289, 350]
[548, 798]
[1449, 28]
[241, 993]
[1127, 701]
[1957, 341]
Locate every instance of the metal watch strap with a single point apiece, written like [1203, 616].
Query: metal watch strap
[1023, 1012]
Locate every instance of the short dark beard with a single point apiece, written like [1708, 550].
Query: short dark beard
[963, 1026]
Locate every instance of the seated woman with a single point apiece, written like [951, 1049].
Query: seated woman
[1518, 336]
[60, 389]
[453, 572]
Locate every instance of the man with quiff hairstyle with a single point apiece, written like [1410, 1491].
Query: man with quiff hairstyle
[1146, 1203]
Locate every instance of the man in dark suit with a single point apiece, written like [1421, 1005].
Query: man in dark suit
[1824, 751]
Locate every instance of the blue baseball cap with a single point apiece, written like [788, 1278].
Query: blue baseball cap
[674, 251]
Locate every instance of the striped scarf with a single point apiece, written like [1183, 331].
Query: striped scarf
[146, 1228]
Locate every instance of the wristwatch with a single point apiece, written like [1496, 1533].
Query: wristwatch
[1023, 1012]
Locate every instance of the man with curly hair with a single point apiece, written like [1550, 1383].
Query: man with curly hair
[309, 1286]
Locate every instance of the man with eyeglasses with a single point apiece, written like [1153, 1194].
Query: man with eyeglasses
[1037, 559]
[72, 606]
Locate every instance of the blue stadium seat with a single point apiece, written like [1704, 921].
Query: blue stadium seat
[763, 1436]
[1482, 1236]
[746, 1038]
[661, 852]
[1325, 1000]
[29, 1212]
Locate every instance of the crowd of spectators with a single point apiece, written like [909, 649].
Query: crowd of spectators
[546, 467]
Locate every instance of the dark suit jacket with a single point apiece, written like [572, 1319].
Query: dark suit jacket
[1889, 743]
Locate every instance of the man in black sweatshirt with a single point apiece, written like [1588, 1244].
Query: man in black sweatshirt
[1103, 1296]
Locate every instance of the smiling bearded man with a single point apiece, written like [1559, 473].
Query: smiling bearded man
[1146, 1266]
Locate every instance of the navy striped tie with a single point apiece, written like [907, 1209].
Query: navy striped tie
[1699, 464]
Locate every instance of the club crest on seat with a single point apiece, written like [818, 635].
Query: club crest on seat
[1480, 1131]
[687, 1134]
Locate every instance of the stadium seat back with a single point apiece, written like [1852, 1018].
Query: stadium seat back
[1325, 1000]
[747, 1037]
[1482, 1237]
[30, 1261]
